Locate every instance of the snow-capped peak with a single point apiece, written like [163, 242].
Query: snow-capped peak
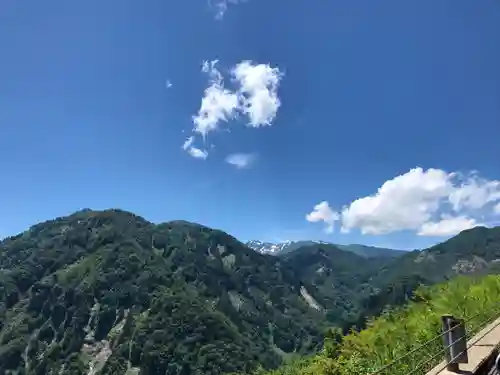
[277, 248]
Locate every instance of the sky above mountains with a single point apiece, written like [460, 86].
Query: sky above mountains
[373, 122]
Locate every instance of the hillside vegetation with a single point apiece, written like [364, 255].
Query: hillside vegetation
[400, 330]
[109, 293]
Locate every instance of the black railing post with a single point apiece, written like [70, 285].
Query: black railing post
[454, 341]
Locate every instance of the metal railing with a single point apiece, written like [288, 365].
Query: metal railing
[454, 349]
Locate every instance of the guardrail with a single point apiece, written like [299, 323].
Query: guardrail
[450, 343]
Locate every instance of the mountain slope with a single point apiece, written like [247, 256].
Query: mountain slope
[339, 278]
[108, 291]
[473, 251]
[397, 332]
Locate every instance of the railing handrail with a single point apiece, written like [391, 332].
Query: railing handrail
[430, 341]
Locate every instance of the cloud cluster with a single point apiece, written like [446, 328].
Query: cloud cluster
[255, 97]
[431, 202]
[258, 92]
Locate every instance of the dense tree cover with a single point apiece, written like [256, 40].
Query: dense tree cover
[401, 330]
[174, 298]
[111, 293]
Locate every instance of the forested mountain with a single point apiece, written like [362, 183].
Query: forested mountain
[475, 250]
[107, 292]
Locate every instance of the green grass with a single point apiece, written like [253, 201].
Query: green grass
[398, 331]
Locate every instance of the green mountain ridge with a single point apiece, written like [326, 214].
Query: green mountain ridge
[372, 251]
[107, 292]
[110, 285]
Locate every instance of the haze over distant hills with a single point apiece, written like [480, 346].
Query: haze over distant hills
[289, 246]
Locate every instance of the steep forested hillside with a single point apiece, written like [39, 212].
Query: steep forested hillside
[403, 330]
[107, 292]
[110, 291]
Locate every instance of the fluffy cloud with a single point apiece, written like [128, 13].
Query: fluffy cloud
[405, 202]
[322, 212]
[218, 104]
[447, 226]
[240, 160]
[258, 92]
[256, 96]
[194, 151]
[431, 202]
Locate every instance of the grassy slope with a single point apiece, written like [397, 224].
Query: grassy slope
[398, 331]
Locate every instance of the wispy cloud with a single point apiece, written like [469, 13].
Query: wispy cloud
[168, 84]
[447, 226]
[194, 151]
[217, 105]
[221, 7]
[241, 160]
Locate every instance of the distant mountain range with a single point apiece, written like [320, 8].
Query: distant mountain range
[290, 246]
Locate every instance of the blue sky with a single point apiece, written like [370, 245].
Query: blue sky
[364, 94]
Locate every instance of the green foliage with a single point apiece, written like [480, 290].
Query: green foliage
[175, 298]
[400, 330]
[112, 292]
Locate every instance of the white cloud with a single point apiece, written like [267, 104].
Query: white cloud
[168, 84]
[475, 193]
[256, 97]
[405, 202]
[322, 212]
[447, 226]
[194, 151]
[258, 91]
[430, 202]
[218, 104]
[241, 160]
